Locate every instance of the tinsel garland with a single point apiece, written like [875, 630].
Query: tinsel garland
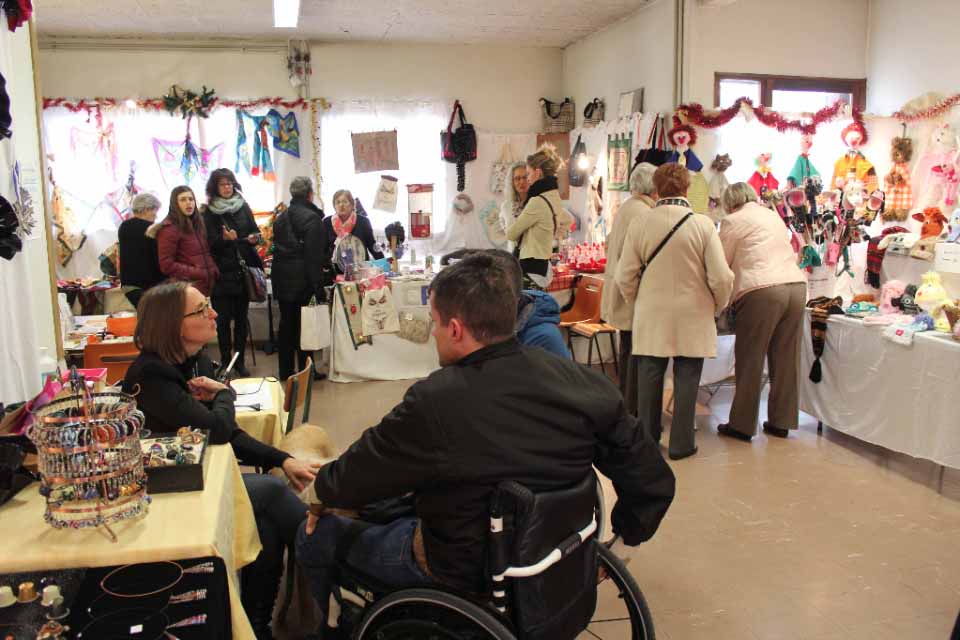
[697, 115]
[158, 104]
[314, 139]
[936, 111]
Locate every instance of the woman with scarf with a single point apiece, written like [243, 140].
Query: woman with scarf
[232, 235]
[515, 189]
[543, 218]
[322, 240]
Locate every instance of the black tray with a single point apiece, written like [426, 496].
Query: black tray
[177, 478]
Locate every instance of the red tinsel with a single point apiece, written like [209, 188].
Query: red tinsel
[936, 111]
[157, 104]
[697, 115]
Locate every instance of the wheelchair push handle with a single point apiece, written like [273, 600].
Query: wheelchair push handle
[565, 548]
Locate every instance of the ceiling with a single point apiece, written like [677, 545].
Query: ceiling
[537, 23]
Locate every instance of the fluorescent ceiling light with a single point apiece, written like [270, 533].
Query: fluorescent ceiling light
[286, 13]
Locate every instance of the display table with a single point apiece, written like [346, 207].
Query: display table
[901, 398]
[390, 357]
[216, 521]
[268, 424]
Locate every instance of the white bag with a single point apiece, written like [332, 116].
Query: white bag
[386, 198]
[314, 326]
[500, 172]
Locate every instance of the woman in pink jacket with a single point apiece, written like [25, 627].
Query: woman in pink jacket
[769, 294]
[182, 243]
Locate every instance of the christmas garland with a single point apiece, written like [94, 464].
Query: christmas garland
[936, 111]
[188, 103]
[159, 104]
[697, 115]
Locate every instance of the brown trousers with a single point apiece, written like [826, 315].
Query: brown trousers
[769, 324]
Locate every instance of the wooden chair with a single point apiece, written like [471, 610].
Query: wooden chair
[116, 357]
[583, 320]
[297, 394]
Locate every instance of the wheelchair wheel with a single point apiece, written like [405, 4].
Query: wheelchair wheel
[622, 611]
[428, 614]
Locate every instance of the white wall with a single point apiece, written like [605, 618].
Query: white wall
[913, 47]
[825, 38]
[499, 86]
[636, 52]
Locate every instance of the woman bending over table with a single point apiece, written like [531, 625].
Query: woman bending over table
[173, 382]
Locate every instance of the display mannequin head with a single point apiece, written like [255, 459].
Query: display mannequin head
[174, 336]
[473, 304]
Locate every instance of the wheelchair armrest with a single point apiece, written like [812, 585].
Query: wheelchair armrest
[565, 548]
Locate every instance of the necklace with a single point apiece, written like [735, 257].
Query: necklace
[176, 569]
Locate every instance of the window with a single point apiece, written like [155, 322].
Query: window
[788, 93]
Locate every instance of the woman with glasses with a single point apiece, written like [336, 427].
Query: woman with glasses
[173, 380]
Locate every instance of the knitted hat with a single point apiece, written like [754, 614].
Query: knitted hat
[820, 309]
[875, 257]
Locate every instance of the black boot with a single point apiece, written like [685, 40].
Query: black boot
[259, 595]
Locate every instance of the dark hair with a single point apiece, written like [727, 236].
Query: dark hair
[481, 292]
[176, 217]
[159, 316]
[509, 262]
[213, 183]
[671, 180]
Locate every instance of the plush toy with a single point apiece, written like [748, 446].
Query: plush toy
[803, 170]
[876, 204]
[906, 303]
[719, 184]
[899, 243]
[899, 194]
[935, 176]
[932, 297]
[933, 222]
[924, 249]
[762, 179]
[853, 165]
[953, 229]
[875, 256]
[682, 137]
[891, 290]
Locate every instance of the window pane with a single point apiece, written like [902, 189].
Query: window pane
[806, 101]
[730, 90]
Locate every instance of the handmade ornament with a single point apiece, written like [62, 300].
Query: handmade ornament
[899, 193]
[298, 62]
[618, 161]
[379, 315]
[903, 334]
[935, 175]
[763, 179]
[853, 165]
[874, 206]
[386, 198]
[803, 170]
[931, 298]
[820, 309]
[188, 103]
[933, 222]
[924, 249]
[682, 137]
[285, 132]
[182, 161]
[375, 151]
[420, 206]
[719, 184]
[875, 255]
[260, 163]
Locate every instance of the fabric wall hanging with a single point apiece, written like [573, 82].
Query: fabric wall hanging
[70, 238]
[285, 132]
[181, 161]
[298, 62]
[420, 206]
[490, 218]
[459, 146]
[500, 172]
[593, 113]
[375, 151]
[558, 117]
[386, 198]
[560, 142]
[699, 193]
[618, 162]
[378, 313]
[97, 145]
[260, 163]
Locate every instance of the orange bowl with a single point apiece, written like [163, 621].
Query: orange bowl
[123, 326]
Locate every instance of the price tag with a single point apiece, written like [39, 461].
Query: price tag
[135, 629]
[948, 257]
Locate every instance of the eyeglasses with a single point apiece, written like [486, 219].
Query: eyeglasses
[202, 310]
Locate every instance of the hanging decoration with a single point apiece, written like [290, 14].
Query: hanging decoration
[682, 137]
[159, 104]
[188, 103]
[23, 206]
[375, 151]
[183, 159]
[120, 202]
[18, 12]
[101, 142]
[420, 206]
[285, 132]
[315, 141]
[261, 163]
[618, 161]
[936, 111]
[386, 198]
[698, 116]
[70, 238]
[298, 62]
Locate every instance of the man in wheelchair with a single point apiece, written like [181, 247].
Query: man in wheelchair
[495, 412]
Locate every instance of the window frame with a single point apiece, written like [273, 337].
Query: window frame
[856, 87]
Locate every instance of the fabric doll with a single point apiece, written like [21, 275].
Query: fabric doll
[719, 184]
[899, 193]
[853, 165]
[931, 297]
[762, 179]
[935, 176]
[803, 169]
[682, 137]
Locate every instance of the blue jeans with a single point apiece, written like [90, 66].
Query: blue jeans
[383, 551]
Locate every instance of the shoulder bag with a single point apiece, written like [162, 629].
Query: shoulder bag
[663, 242]
[516, 248]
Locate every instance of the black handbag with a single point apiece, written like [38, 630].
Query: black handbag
[655, 152]
[460, 146]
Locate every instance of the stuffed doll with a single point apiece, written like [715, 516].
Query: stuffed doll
[936, 175]
[853, 165]
[899, 243]
[682, 137]
[719, 184]
[932, 297]
[803, 170]
[933, 222]
[899, 193]
[762, 179]
[906, 303]
[891, 289]
[953, 229]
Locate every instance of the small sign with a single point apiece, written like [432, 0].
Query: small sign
[947, 257]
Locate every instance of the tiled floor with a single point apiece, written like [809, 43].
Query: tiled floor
[817, 538]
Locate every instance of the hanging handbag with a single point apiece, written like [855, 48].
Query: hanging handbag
[655, 152]
[558, 117]
[594, 113]
[460, 146]
[499, 173]
[578, 176]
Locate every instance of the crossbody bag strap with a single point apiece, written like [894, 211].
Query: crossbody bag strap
[552, 212]
[663, 242]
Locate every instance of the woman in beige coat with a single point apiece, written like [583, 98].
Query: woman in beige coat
[677, 294]
[769, 294]
[614, 310]
[543, 218]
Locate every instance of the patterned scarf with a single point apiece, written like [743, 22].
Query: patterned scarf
[875, 256]
[820, 309]
[344, 228]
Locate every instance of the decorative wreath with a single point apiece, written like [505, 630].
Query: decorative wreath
[189, 103]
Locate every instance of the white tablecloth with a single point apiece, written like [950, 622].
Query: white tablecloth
[898, 397]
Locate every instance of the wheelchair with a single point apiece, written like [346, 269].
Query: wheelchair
[545, 583]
